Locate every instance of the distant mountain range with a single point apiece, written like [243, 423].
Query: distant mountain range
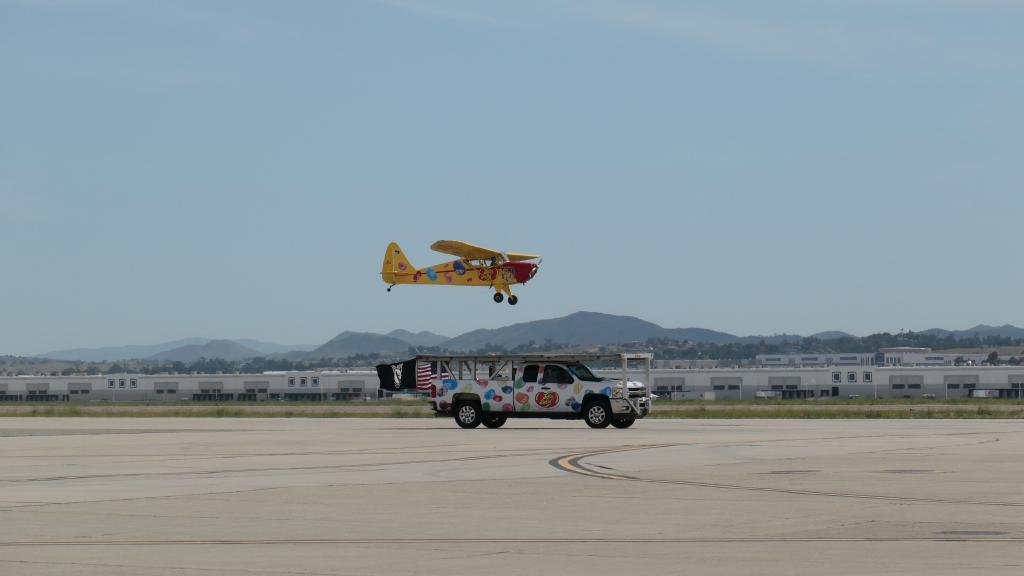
[108, 353]
[832, 335]
[422, 338]
[352, 343]
[112, 353]
[580, 328]
[981, 330]
[223, 349]
[272, 348]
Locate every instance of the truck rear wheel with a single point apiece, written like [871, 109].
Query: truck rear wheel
[467, 414]
[623, 422]
[495, 421]
[597, 413]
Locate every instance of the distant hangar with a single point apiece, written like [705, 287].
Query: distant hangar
[835, 381]
[293, 386]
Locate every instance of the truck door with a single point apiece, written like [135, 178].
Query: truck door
[555, 390]
[545, 389]
[526, 387]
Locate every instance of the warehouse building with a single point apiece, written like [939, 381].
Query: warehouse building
[940, 382]
[807, 360]
[845, 381]
[314, 386]
[902, 356]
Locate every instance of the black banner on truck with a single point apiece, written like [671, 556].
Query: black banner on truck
[397, 376]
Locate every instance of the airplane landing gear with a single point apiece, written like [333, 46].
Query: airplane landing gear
[501, 291]
[390, 287]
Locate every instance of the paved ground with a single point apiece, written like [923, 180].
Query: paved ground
[152, 496]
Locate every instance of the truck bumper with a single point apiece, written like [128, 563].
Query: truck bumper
[620, 406]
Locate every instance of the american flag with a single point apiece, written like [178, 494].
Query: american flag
[423, 376]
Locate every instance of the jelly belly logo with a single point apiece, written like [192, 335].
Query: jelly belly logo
[546, 399]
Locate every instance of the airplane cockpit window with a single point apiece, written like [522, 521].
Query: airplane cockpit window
[556, 375]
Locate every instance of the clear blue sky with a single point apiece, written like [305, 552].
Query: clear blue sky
[235, 169]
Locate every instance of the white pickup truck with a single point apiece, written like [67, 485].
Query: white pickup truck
[491, 389]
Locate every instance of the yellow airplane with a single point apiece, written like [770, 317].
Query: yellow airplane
[476, 266]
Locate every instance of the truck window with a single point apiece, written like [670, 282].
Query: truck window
[556, 375]
[530, 373]
[583, 373]
[494, 374]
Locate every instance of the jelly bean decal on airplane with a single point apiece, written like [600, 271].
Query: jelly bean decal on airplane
[476, 266]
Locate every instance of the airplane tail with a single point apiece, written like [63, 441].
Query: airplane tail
[395, 263]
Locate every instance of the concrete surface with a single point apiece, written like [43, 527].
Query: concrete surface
[153, 496]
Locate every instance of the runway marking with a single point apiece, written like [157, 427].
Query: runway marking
[165, 567]
[572, 463]
[325, 467]
[390, 541]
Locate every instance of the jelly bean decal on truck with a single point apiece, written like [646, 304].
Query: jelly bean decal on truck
[546, 399]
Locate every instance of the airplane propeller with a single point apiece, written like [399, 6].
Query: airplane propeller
[536, 268]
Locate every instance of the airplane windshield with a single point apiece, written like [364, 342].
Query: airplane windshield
[583, 373]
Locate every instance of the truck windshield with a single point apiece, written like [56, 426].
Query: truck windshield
[583, 373]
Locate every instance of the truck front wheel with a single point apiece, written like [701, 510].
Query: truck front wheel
[597, 413]
[467, 414]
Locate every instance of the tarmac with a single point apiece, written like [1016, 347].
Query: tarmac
[149, 496]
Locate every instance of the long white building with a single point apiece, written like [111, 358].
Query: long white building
[354, 385]
[903, 356]
[690, 384]
[840, 382]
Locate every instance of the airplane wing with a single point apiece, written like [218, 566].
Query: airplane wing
[519, 256]
[463, 250]
[470, 252]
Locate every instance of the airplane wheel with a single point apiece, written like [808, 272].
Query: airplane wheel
[513, 299]
[498, 297]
